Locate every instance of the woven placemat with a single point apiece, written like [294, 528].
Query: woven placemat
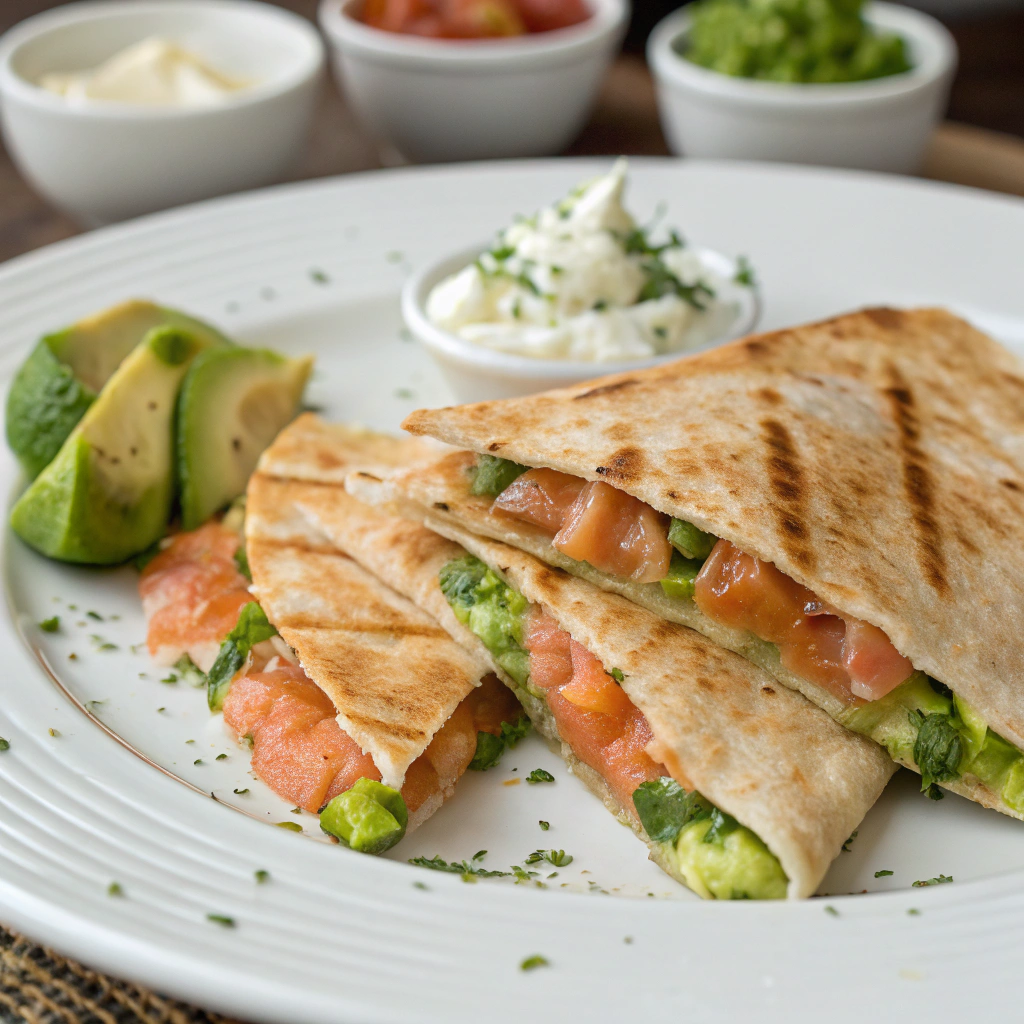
[38, 986]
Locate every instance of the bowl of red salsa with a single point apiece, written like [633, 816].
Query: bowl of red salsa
[444, 80]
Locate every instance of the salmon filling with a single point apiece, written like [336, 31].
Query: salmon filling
[605, 729]
[613, 531]
[712, 852]
[192, 593]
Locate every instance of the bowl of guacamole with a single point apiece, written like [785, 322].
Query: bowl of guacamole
[840, 83]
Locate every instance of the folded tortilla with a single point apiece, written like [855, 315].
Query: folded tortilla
[394, 675]
[760, 753]
[876, 458]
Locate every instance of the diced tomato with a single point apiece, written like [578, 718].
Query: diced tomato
[617, 533]
[875, 666]
[472, 19]
[546, 15]
[604, 728]
[191, 594]
[850, 658]
[541, 497]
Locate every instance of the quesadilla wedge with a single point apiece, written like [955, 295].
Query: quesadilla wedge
[356, 704]
[840, 503]
[740, 788]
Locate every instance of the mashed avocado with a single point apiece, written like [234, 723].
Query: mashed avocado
[791, 41]
[922, 722]
[716, 856]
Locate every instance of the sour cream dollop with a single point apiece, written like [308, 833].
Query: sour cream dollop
[155, 72]
[581, 280]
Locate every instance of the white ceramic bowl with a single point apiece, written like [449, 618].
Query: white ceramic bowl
[880, 125]
[105, 162]
[478, 374]
[441, 100]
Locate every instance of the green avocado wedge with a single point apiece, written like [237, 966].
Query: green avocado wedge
[66, 370]
[107, 495]
[233, 403]
[370, 817]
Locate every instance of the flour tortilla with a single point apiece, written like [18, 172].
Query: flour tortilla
[759, 752]
[395, 676]
[877, 458]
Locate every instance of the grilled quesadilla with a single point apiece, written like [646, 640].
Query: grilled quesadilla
[357, 705]
[741, 788]
[840, 503]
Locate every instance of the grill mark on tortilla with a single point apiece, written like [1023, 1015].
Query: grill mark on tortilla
[918, 483]
[495, 445]
[626, 464]
[786, 478]
[886, 318]
[604, 389]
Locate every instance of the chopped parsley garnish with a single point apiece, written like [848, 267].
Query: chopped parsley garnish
[4, 744]
[53, 732]
[489, 748]
[292, 826]
[883, 874]
[616, 674]
[240, 792]
[421, 885]
[938, 880]
[913, 912]
[406, 393]
[50, 625]
[523, 875]
[198, 760]
[479, 855]
[95, 615]
[261, 876]
[114, 889]
[189, 671]
[533, 962]
[829, 909]
[221, 757]
[223, 920]
[539, 775]
[296, 810]
[318, 277]
[172, 678]
[846, 845]
[934, 793]
[544, 825]
[745, 273]
[456, 867]
[557, 858]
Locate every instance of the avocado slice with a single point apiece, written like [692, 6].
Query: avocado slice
[107, 495]
[370, 817]
[66, 370]
[233, 403]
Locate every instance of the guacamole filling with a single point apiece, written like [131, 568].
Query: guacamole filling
[713, 853]
[920, 722]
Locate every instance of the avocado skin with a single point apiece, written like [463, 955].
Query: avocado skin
[107, 495]
[47, 397]
[45, 402]
[72, 517]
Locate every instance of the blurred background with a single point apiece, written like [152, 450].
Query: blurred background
[981, 147]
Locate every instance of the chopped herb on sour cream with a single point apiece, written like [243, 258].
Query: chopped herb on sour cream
[582, 280]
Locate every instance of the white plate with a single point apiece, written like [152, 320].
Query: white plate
[335, 936]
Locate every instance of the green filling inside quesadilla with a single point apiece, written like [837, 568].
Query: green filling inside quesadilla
[711, 851]
[922, 722]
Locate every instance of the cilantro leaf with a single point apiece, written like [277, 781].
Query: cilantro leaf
[253, 627]
[883, 874]
[539, 775]
[938, 749]
[489, 747]
[664, 808]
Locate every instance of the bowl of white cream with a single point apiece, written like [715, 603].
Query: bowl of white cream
[114, 109]
[576, 291]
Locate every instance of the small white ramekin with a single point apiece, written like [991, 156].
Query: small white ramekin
[881, 125]
[436, 100]
[477, 374]
[104, 162]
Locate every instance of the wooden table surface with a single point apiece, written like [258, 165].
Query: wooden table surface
[988, 93]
